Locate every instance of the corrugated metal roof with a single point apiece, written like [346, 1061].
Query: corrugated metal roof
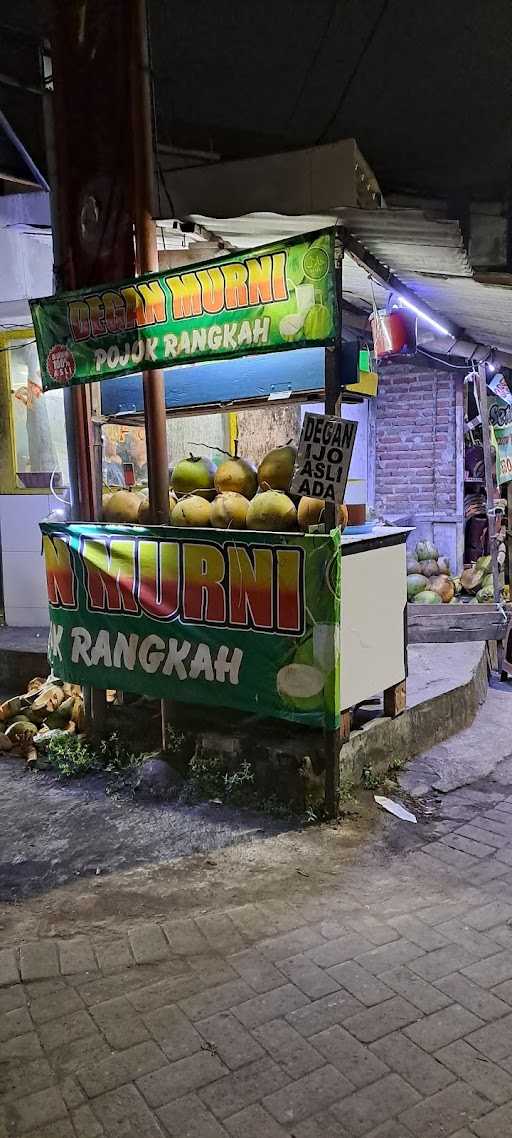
[426, 252]
[409, 240]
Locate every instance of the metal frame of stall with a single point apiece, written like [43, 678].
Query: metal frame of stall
[394, 696]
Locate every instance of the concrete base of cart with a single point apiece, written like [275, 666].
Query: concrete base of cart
[446, 685]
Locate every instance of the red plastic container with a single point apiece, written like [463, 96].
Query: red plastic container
[390, 334]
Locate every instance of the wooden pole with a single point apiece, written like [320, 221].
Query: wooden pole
[147, 255]
[489, 484]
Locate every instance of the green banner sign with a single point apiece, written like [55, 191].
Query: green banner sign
[249, 621]
[279, 296]
[503, 436]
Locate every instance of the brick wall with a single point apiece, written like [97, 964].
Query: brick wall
[415, 462]
[417, 433]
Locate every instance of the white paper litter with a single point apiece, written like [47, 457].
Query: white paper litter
[395, 808]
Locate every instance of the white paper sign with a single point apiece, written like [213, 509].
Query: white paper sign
[323, 458]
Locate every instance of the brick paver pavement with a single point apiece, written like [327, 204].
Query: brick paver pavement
[380, 1007]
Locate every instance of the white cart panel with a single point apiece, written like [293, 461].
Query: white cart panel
[373, 614]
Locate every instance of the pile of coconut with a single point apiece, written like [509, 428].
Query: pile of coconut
[47, 710]
[429, 581]
[232, 495]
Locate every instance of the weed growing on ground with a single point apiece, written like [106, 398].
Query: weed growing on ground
[114, 754]
[72, 756]
[205, 778]
[208, 778]
[346, 789]
[175, 739]
[370, 779]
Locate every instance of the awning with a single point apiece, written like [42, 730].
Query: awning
[425, 252]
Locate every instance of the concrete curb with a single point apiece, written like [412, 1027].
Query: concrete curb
[386, 741]
[22, 656]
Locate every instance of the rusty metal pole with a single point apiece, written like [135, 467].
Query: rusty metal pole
[336, 736]
[79, 429]
[147, 255]
[147, 262]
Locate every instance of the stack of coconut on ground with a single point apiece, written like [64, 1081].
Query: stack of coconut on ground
[429, 581]
[48, 709]
[232, 495]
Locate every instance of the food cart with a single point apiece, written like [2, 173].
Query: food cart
[269, 620]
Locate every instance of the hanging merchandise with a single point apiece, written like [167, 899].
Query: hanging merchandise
[503, 437]
[392, 331]
[499, 386]
[390, 334]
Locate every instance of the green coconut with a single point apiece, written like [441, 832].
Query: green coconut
[18, 733]
[427, 597]
[472, 579]
[429, 568]
[273, 511]
[236, 475]
[415, 584]
[485, 596]
[229, 511]
[276, 468]
[122, 506]
[301, 686]
[443, 586]
[192, 511]
[413, 565]
[425, 551]
[194, 475]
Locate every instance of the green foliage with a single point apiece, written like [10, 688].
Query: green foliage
[370, 779]
[346, 790]
[206, 778]
[175, 739]
[209, 778]
[71, 757]
[237, 783]
[114, 754]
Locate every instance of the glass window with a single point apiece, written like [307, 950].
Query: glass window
[124, 444]
[39, 425]
[205, 435]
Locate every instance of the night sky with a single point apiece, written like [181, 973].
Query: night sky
[424, 87]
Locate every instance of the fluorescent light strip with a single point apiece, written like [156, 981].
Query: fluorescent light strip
[424, 316]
